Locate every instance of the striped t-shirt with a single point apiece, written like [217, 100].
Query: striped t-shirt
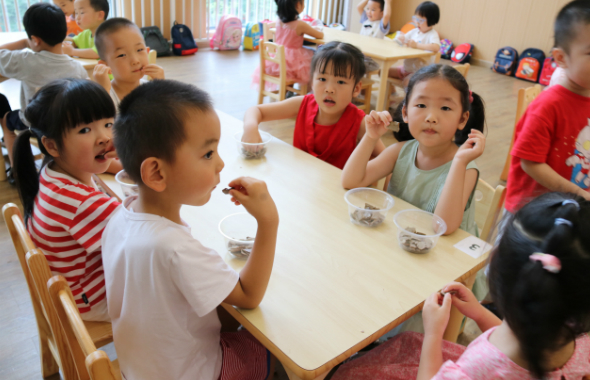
[67, 224]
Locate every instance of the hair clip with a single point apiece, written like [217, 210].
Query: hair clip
[550, 263]
[470, 96]
[559, 221]
[571, 202]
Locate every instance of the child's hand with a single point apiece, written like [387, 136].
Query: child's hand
[401, 37]
[413, 44]
[101, 76]
[376, 123]
[472, 148]
[154, 71]
[463, 299]
[67, 48]
[251, 136]
[254, 196]
[435, 313]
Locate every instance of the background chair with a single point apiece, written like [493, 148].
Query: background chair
[488, 208]
[365, 100]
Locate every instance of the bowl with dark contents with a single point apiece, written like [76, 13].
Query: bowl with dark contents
[127, 185]
[417, 230]
[239, 232]
[368, 207]
[252, 151]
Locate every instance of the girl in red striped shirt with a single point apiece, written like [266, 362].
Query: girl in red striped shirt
[65, 213]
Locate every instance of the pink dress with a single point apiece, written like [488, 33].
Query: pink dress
[399, 358]
[298, 58]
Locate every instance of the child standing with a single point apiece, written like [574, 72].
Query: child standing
[89, 15]
[375, 15]
[123, 54]
[65, 213]
[163, 286]
[328, 125]
[289, 33]
[67, 6]
[551, 147]
[539, 281]
[423, 37]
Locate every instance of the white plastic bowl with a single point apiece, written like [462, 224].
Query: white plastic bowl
[427, 226]
[236, 229]
[127, 185]
[358, 199]
[252, 150]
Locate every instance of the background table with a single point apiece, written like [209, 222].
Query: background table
[335, 287]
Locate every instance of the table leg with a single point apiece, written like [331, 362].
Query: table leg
[293, 376]
[385, 65]
[456, 318]
[2, 167]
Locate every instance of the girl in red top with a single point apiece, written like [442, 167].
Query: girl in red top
[328, 125]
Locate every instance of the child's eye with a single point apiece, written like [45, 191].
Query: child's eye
[121, 55]
[84, 130]
[420, 105]
[445, 108]
[341, 82]
[322, 79]
[142, 49]
[108, 125]
[209, 155]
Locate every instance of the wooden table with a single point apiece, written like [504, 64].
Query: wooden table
[384, 51]
[335, 287]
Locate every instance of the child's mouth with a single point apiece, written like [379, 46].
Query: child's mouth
[329, 102]
[101, 156]
[429, 131]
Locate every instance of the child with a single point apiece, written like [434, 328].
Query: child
[538, 279]
[35, 62]
[328, 125]
[89, 15]
[375, 15]
[551, 147]
[289, 33]
[123, 54]
[67, 6]
[423, 37]
[64, 212]
[434, 172]
[163, 286]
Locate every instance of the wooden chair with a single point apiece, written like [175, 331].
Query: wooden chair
[90, 362]
[365, 100]
[52, 346]
[272, 52]
[463, 69]
[525, 97]
[488, 207]
[268, 31]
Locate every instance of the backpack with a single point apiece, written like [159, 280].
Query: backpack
[155, 40]
[549, 66]
[462, 53]
[506, 61]
[183, 42]
[446, 47]
[252, 35]
[228, 35]
[530, 64]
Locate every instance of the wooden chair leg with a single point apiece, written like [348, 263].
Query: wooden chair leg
[504, 175]
[367, 100]
[2, 167]
[48, 364]
[260, 92]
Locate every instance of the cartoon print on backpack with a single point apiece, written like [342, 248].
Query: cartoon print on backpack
[581, 159]
[506, 60]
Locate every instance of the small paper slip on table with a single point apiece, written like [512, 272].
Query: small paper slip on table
[335, 286]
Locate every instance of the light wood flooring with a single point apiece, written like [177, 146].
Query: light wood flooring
[226, 76]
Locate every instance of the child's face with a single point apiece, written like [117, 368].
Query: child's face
[332, 93]
[422, 23]
[195, 171]
[434, 112]
[577, 62]
[374, 11]
[86, 16]
[126, 54]
[299, 6]
[67, 6]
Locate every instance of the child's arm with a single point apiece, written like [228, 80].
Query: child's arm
[70, 50]
[101, 76]
[460, 182]
[387, 13]
[253, 195]
[267, 112]
[305, 28]
[361, 7]
[359, 171]
[549, 178]
[115, 167]
[379, 147]
[464, 300]
[16, 45]
[436, 312]
[429, 47]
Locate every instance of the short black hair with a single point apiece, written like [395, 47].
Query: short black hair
[287, 10]
[107, 28]
[151, 122]
[100, 5]
[381, 3]
[429, 11]
[571, 16]
[347, 60]
[47, 22]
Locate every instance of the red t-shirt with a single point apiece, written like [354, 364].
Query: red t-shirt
[555, 129]
[330, 143]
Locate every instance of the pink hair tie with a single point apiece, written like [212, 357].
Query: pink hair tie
[550, 263]
[470, 96]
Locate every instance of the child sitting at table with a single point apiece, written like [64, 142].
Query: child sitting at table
[65, 213]
[375, 15]
[423, 37]
[539, 281]
[123, 54]
[328, 125]
[67, 6]
[289, 33]
[163, 286]
[89, 15]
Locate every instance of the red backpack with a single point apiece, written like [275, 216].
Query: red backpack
[548, 69]
[462, 53]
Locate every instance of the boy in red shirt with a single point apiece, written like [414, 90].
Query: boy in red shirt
[552, 142]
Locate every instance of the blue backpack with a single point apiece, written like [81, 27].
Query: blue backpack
[506, 61]
[183, 42]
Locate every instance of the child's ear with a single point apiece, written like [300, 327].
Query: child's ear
[152, 174]
[357, 89]
[463, 120]
[101, 15]
[50, 146]
[559, 55]
[405, 114]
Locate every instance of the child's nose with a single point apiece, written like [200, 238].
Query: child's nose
[431, 118]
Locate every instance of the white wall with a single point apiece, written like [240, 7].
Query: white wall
[352, 19]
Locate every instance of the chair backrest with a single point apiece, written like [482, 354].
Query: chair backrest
[437, 57]
[526, 97]
[463, 69]
[267, 33]
[488, 206]
[272, 52]
[152, 55]
[91, 363]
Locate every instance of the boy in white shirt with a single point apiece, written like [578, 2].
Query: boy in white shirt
[163, 286]
[375, 15]
[423, 37]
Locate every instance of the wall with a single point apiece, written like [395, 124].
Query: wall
[489, 24]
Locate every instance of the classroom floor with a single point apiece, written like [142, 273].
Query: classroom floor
[226, 76]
